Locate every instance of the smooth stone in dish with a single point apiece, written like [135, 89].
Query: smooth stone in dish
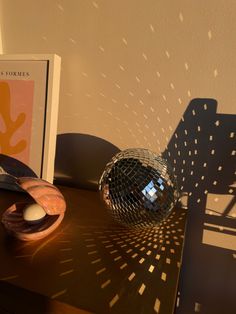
[33, 213]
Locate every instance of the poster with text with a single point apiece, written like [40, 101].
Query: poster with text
[25, 113]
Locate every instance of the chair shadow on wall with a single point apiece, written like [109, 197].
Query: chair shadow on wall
[81, 159]
[202, 153]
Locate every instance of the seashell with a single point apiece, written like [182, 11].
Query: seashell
[48, 197]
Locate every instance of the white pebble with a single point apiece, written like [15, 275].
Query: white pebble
[33, 213]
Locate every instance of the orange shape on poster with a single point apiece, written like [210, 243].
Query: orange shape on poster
[16, 99]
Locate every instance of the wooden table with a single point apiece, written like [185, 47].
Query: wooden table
[90, 263]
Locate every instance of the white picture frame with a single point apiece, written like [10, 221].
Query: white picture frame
[29, 92]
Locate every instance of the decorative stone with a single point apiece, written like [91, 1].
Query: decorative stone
[33, 213]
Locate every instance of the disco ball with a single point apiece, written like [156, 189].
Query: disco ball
[138, 187]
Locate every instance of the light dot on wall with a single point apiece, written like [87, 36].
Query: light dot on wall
[141, 102]
[215, 73]
[145, 56]
[151, 28]
[95, 5]
[121, 67]
[125, 41]
[101, 48]
[209, 34]
[181, 18]
[60, 7]
[73, 41]
[167, 54]
[172, 86]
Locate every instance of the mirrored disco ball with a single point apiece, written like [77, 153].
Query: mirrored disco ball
[138, 187]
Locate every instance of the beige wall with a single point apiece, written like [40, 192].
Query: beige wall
[190, 43]
[129, 71]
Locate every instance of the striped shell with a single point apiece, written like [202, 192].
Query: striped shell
[47, 196]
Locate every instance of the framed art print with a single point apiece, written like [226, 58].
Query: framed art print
[29, 96]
